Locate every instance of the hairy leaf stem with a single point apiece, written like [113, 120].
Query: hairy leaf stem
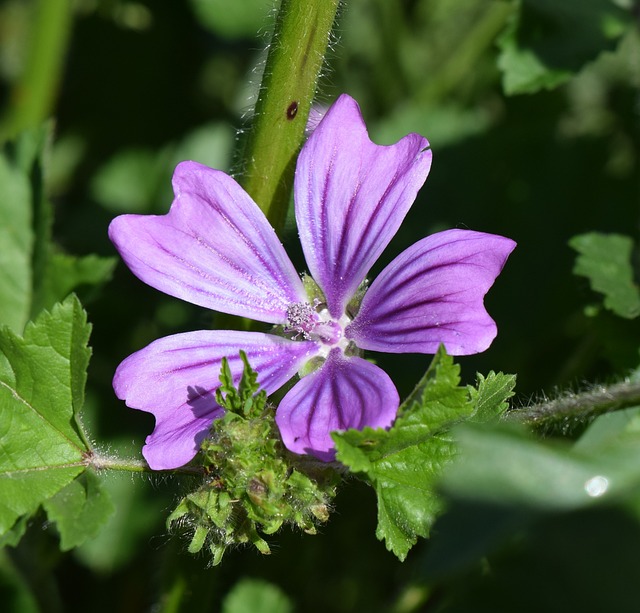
[295, 59]
[590, 403]
[99, 462]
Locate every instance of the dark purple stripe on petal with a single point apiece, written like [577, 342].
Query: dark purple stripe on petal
[351, 196]
[214, 248]
[175, 378]
[344, 393]
[433, 293]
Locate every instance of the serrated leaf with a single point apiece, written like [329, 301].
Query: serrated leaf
[438, 391]
[491, 395]
[42, 377]
[403, 464]
[605, 259]
[80, 510]
[256, 596]
[548, 41]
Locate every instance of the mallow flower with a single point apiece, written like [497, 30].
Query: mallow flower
[215, 248]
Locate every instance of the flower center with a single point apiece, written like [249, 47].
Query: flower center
[317, 325]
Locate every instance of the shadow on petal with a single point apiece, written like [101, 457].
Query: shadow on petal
[175, 379]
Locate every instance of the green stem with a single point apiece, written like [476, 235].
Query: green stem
[173, 598]
[33, 95]
[454, 69]
[562, 410]
[296, 55]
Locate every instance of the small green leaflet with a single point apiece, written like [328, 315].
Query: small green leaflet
[491, 395]
[42, 445]
[605, 259]
[404, 463]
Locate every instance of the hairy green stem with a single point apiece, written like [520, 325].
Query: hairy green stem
[295, 59]
[33, 95]
[98, 462]
[590, 403]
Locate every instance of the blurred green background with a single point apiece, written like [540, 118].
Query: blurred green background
[143, 85]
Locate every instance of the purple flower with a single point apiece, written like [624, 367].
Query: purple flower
[215, 248]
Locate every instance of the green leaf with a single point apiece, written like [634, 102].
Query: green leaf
[404, 463]
[610, 429]
[139, 180]
[505, 465]
[234, 19]
[80, 510]
[491, 395]
[605, 259]
[139, 512]
[130, 181]
[256, 596]
[13, 536]
[548, 41]
[66, 273]
[522, 70]
[504, 481]
[42, 377]
[33, 275]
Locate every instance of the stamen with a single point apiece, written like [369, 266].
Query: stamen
[315, 323]
[301, 318]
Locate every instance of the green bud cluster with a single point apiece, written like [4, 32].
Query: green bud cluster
[253, 485]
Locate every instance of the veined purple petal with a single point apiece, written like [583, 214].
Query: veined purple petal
[175, 378]
[433, 293]
[345, 392]
[214, 248]
[351, 196]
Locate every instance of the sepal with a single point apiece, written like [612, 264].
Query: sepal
[252, 484]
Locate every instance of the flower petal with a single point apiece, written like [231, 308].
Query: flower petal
[345, 392]
[351, 196]
[214, 248]
[175, 378]
[433, 293]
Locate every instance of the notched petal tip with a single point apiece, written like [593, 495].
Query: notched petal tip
[175, 379]
[346, 392]
[148, 381]
[351, 196]
[214, 248]
[433, 293]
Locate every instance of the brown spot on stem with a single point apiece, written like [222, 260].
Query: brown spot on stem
[292, 110]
